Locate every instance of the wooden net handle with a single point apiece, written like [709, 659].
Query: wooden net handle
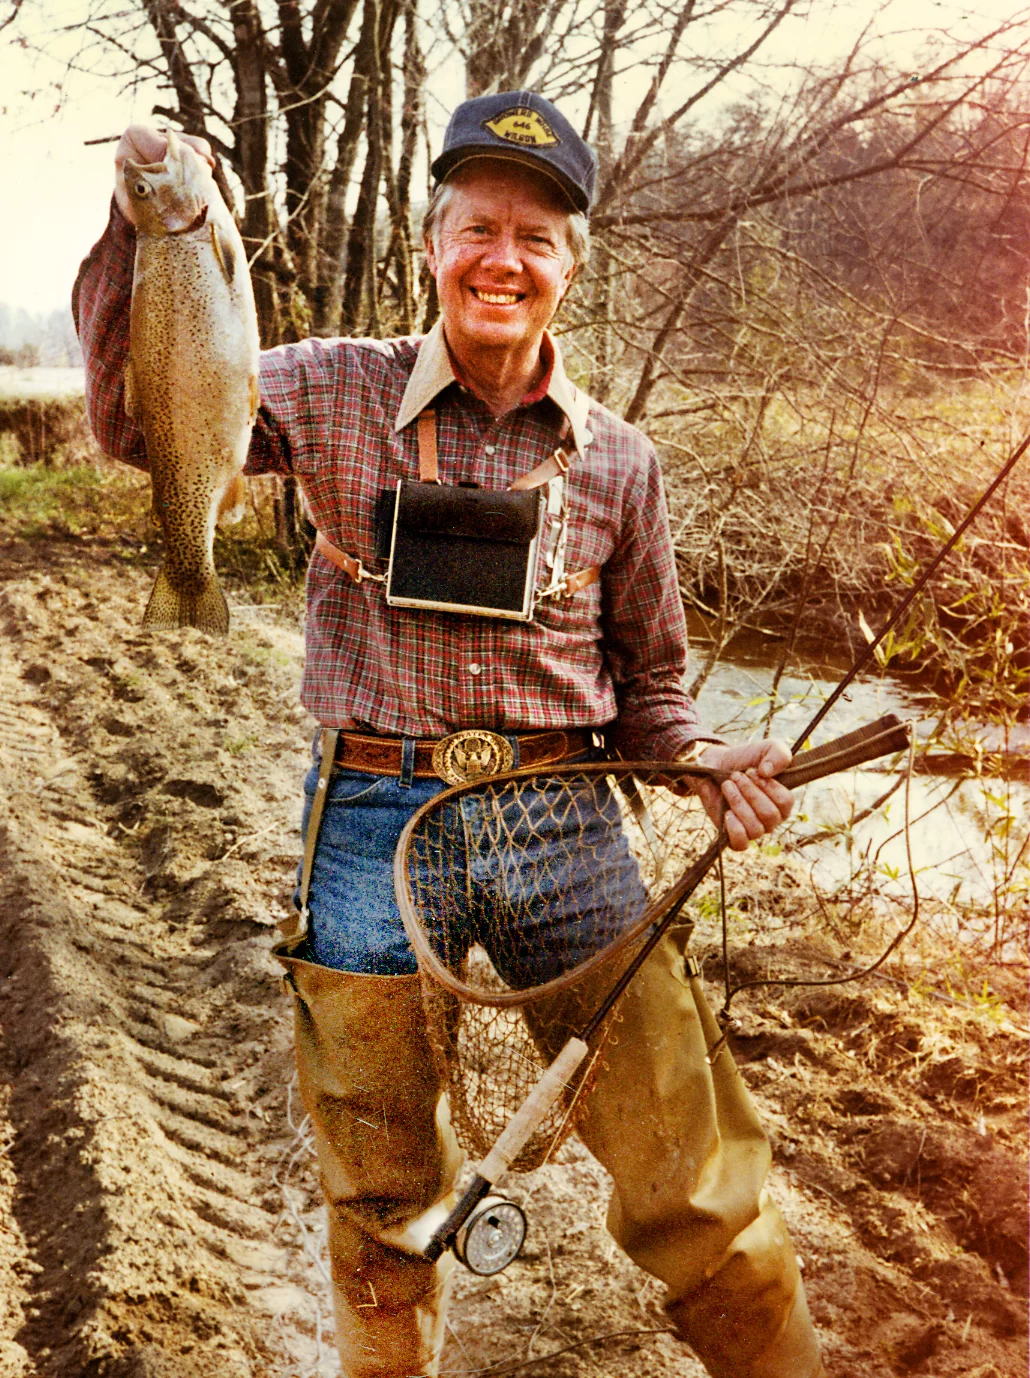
[885, 735]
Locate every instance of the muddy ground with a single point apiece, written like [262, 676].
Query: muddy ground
[159, 1212]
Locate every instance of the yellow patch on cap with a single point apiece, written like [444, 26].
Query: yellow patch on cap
[520, 125]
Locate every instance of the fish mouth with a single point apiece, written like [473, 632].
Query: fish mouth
[497, 297]
[197, 223]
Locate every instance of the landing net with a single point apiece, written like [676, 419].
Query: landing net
[524, 899]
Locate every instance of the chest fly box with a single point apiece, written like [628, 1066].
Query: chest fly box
[462, 549]
[465, 549]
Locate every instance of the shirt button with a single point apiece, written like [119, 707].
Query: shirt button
[489, 449]
[475, 668]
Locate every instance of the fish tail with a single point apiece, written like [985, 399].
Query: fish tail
[204, 607]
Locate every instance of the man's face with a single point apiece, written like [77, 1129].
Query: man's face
[500, 257]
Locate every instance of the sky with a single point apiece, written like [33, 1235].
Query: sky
[56, 188]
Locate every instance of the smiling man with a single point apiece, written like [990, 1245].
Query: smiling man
[498, 247]
[407, 693]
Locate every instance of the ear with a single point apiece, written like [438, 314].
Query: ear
[570, 274]
[427, 244]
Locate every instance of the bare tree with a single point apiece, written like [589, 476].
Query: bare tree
[772, 239]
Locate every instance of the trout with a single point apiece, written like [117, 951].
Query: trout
[191, 380]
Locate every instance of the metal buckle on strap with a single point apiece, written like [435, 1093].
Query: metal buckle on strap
[471, 755]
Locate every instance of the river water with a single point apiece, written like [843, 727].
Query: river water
[965, 834]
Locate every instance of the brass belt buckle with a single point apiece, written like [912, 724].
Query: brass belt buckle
[471, 755]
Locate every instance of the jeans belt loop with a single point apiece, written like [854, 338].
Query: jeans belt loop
[407, 776]
[513, 742]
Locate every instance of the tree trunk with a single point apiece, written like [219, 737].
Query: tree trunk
[259, 225]
[329, 297]
[603, 265]
[310, 68]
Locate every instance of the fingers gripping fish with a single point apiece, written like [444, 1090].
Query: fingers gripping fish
[191, 380]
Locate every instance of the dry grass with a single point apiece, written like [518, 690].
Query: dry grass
[807, 525]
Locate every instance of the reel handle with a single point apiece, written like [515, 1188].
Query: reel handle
[518, 1130]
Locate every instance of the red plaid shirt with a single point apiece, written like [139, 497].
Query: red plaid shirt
[340, 414]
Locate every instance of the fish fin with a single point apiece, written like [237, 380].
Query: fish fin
[170, 608]
[234, 500]
[131, 400]
[255, 397]
[224, 252]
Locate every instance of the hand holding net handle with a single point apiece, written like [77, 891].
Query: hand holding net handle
[887, 734]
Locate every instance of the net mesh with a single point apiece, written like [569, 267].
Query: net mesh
[522, 898]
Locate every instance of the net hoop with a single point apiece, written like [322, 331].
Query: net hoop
[428, 960]
[885, 735]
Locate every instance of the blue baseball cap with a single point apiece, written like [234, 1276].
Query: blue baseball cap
[525, 128]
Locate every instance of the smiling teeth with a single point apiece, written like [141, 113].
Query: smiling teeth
[497, 298]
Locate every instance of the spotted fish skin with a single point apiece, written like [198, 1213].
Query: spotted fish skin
[191, 380]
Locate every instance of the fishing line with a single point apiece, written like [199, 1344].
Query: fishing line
[724, 1014]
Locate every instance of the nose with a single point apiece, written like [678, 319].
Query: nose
[502, 253]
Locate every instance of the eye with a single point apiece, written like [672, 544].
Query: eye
[142, 189]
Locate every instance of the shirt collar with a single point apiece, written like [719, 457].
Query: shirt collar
[434, 371]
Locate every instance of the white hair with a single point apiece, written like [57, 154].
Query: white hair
[577, 227]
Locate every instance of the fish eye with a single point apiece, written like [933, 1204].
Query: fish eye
[142, 189]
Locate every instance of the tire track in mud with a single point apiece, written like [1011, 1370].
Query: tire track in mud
[145, 1049]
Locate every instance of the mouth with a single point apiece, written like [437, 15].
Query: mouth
[497, 298]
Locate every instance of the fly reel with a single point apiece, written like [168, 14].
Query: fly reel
[491, 1237]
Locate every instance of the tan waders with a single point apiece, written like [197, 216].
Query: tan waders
[679, 1136]
[386, 1156]
[689, 1158]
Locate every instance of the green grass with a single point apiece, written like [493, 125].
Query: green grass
[110, 502]
[33, 496]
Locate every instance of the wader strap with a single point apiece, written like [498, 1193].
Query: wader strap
[717, 1043]
[295, 932]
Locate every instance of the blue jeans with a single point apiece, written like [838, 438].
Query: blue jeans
[560, 889]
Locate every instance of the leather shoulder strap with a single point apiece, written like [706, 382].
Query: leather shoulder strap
[582, 579]
[336, 556]
[428, 464]
[555, 464]
[348, 563]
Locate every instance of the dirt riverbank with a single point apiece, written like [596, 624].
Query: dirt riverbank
[159, 1213]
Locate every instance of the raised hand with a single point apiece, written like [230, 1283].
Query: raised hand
[143, 144]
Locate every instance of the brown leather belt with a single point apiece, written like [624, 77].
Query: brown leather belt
[462, 756]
